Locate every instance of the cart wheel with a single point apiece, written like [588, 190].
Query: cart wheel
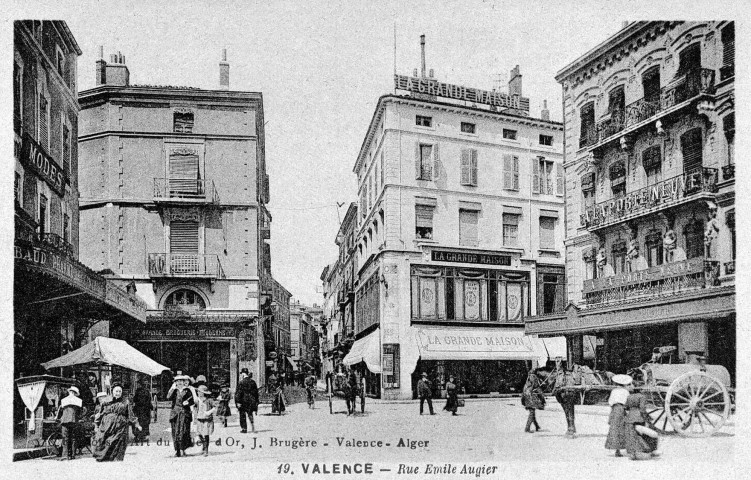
[55, 444]
[698, 404]
[657, 411]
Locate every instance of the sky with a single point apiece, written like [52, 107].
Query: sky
[321, 67]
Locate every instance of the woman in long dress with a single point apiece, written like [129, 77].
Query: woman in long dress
[142, 408]
[617, 427]
[114, 419]
[638, 445]
[183, 397]
[452, 400]
[278, 405]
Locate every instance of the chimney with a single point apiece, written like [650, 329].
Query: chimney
[101, 68]
[515, 82]
[116, 72]
[224, 71]
[422, 55]
[545, 113]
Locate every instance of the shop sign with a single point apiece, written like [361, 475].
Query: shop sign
[387, 364]
[652, 274]
[62, 267]
[479, 258]
[429, 86]
[166, 333]
[34, 157]
[473, 340]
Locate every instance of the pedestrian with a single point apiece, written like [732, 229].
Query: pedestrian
[246, 400]
[452, 400]
[200, 380]
[142, 407]
[310, 383]
[69, 414]
[617, 431]
[353, 391]
[532, 399]
[183, 397]
[115, 418]
[425, 392]
[205, 410]
[223, 411]
[641, 438]
[278, 405]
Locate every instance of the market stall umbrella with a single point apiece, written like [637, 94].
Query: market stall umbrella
[110, 351]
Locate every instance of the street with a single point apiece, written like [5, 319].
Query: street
[486, 432]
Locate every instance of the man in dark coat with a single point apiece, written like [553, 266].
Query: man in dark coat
[246, 400]
[69, 415]
[425, 392]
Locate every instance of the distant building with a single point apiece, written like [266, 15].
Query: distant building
[459, 238]
[304, 321]
[650, 197]
[173, 199]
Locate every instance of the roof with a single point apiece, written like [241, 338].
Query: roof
[384, 99]
[167, 92]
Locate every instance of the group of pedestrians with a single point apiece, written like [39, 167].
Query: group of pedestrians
[425, 394]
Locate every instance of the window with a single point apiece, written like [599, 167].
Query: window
[423, 121]
[469, 167]
[694, 234]
[184, 176]
[588, 190]
[43, 209]
[689, 60]
[544, 180]
[546, 140]
[730, 221]
[424, 222]
[619, 257]
[510, 230]
[654, 246]
[552, 293]
[510, 172]
[651, 159]
[383, 168]
[185, 300]
[728, 125]
[728, 51]
[371, 191]
[468, 228]
[17, 186]
[618, 178]
[44, 121]
[184, 244]
[66, 227]
[183, 122]
[587, 125]
[509, 134]
[691, 148]
[616, 102]
[547, 233]
[468, 127]
[650, 82]
[60, 63]
[17, 96]
[66, 148]
[424, 163]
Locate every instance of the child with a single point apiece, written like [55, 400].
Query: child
[223, 410]
[617, 433]
[206, 408]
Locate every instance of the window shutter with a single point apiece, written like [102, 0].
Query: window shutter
[436, 160]
[183, 237]
[468, 228]
[547, 232]
[559, 179]
[43, 122]
[516, 172]
[424, 216]
[507, 172]
[473, 167]
[691, 147]
[535, 175]
[183, 174]
[418, 163]
[465, 167]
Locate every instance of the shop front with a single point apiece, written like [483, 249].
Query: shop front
[365, 358]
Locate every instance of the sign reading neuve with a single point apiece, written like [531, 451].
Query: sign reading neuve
[463, 257]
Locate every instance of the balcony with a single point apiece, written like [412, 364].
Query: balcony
[674, 96]
[695, 184]
[186, 265]
[171, 190]
[728, 171]
[730, 268]
[56, 242]
[655, 282]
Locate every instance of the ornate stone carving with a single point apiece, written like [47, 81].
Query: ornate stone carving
[184, 214]
[187, 151]
[183, 110]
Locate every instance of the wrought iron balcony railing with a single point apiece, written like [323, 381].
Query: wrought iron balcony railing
[692, 84]
[655, 282]
[668, 193]
[185, 265]
[728, 171]
[58, 243]
[183, 190]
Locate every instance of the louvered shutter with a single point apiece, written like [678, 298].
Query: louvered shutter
[468, 228]
[183, 175]
[473, 167]
[547, 232]
[43, 122]
[559, 179]
[465, 167]
[436, 159]
[183, 237]
[691, 147]
[418, 161]
[535, 175]
[423, 216]
[516, 172]
[508, 180]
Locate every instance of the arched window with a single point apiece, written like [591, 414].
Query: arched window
[587, 122]
[185, 300]
[694, 234]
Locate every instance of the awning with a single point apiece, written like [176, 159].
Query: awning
[368, 350]
[478, 344]
[109, 351]
[292, 364]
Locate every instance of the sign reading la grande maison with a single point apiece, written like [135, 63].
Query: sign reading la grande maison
[34, 157]
[463, 257]
[430, 86]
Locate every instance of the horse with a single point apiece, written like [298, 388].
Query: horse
[559, 382]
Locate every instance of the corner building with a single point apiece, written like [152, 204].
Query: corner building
[173, 194]
[650, 189]
[459, 238]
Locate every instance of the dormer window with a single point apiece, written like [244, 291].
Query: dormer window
[183, 122]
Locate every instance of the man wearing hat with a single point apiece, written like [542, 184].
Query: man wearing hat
[68, 414]
[425, 392]
[246, 400]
